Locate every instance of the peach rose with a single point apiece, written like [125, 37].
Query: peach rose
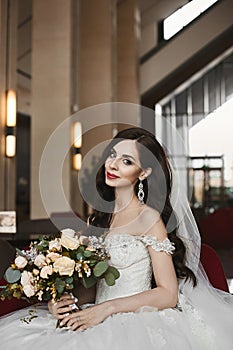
[35, 272]
[40, 260]
[45, 271]
[55, 245]
[53, 256]
[64, 265]
[21, 262]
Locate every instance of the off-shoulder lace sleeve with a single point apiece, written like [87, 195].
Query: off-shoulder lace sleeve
[159, 246]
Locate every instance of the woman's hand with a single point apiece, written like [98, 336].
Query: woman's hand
[63, 306]
[86, 318]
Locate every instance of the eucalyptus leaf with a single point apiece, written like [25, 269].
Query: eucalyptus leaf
[100, 268]
[12, 276]
[109, 278]
[60, 285]
[114, 271]
[87, 253]
[69, 280]
[19, 252]
[79, 256]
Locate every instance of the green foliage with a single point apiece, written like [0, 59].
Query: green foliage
[109, 278]
[19, 252]
[87, 253]
[100, 268]
[114, 271]
[12, 276]
[60, 285]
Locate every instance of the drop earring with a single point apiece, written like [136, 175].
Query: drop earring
[141, 193]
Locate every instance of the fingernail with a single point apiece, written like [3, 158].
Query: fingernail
[67, 314]
[61, 323]
[75, 300]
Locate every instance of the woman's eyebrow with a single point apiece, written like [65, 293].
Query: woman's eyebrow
[124, 155]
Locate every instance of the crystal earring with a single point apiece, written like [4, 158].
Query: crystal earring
[141, 193]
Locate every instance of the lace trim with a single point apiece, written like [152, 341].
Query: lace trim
[159, 246]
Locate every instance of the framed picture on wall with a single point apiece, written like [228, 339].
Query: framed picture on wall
[7, 222]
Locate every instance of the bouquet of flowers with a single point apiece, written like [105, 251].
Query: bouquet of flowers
[50, 267]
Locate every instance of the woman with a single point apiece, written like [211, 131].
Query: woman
[140, 230]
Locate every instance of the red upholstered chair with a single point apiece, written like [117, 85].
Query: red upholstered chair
[217, 228]
[213, 268]
[7, 253]
[14, 304]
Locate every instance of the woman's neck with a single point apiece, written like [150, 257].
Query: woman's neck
[125, 200]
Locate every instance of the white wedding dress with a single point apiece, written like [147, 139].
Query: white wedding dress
[202, 320]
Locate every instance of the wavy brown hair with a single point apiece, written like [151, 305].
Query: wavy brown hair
[157, 189]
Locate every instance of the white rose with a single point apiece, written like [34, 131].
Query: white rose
[53, 256]
[29, 290]
[69, 240]
[40, 260]
[64, 265]
[45, 271]
[84, 240]
[55, 245]
[21, 262]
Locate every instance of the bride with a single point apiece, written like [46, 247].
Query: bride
[162, 299]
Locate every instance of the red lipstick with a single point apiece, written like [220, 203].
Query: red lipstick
[111, 176]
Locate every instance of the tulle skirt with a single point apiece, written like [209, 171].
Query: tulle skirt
[203, 320]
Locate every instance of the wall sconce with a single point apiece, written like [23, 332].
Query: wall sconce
[77, 144]
[10, 146]
[10, 149]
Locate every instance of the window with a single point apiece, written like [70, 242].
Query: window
[183, 16]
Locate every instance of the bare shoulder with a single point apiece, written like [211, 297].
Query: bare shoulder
[153, 223]
[151, 214]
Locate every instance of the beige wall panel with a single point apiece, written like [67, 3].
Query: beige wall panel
[50, 92]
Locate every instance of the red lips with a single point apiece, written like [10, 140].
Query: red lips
[111, 176]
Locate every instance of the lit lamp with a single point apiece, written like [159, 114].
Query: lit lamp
[10, 123]
[77, 144]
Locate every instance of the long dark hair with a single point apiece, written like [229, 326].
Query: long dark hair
[159, 183]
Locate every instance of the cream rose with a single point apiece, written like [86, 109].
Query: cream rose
[68, 232]
[64, 265]
[26, 281]
[45, 271]
[26, 278]
[40, 260]
[69, 240]
[55, 245]
[21, 262]
[29, 290]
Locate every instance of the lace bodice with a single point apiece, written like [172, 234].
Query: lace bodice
[129, 254]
